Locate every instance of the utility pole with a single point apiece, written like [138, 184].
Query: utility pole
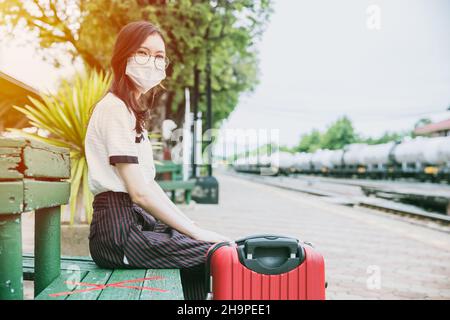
[208, 106]
[207, 187]
[195, 98]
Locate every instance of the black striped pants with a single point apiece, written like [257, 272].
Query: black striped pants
[123, 235]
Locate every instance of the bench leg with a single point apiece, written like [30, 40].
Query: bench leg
[11, 277]
[47, 246]
[187, 196]
[172, 197]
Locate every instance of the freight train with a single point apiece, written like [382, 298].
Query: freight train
[422, 158]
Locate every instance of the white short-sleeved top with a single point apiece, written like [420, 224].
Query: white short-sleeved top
[110, 139]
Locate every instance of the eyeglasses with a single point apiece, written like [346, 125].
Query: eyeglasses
[142, 57]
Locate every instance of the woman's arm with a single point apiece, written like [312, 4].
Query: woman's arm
[153, 199]
[162, 192]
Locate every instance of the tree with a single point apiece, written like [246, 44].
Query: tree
[87, 30]
[386, 137]
[339, 134]
[310, 142]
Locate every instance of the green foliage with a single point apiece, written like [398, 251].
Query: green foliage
[339, 134]
[310, 142]
[386, 137]
[87, 30]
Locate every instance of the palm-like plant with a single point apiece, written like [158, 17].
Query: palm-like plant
[65, 116]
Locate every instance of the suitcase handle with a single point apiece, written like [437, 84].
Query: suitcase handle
[271, 254]
[271, 242]
[264, 235]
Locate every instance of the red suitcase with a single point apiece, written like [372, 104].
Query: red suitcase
[265, 267]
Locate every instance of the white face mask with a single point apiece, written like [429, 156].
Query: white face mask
[146, 76]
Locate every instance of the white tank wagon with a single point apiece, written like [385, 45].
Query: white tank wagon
[411, 151]
[286, 161]
[436, 151]
[352, 154]
[336, 158]
[321, 160]
[378, 154]
[302, 161]
[246, 164]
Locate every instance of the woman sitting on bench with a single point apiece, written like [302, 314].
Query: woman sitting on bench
[135, 224]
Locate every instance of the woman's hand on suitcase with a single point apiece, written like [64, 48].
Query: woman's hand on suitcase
[209, 236]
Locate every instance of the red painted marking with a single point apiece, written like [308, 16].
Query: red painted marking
[114, 285]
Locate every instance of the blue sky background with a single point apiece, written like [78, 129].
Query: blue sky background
[319, 61]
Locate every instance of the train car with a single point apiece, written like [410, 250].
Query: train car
[378, 160]
[321, 161]
[284, 161]
[302, 162]
[422, 158]
[352, 165]
[337, 162]
[436, 154]
[409, 158]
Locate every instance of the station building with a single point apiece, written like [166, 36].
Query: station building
[437, 129]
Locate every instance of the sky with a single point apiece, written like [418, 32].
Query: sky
[384, 64]
[320, 61]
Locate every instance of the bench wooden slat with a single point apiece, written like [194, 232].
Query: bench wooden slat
[59, 285]
[171, 282]
[98, 276]
[119, 275]
[64, 258]
[12, 142]
[9, 160]
[28, 262]
[40, 160]
[8, 168]
[67, 263]
[11, 197]
[45, 194]
[46, 162]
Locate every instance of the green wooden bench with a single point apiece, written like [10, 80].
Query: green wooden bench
[172, 186]
[176, 182]
[33, 177]
[82, 279]
[167, 166]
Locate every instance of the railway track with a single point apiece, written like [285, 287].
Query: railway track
[344, 197]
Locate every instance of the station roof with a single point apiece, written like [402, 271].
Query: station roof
[14, 92]
[434, 127]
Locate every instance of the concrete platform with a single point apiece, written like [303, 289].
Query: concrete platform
[368, 254]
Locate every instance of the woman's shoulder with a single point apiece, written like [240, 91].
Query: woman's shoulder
[112, 104]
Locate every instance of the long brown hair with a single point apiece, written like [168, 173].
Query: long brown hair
[128, 41]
